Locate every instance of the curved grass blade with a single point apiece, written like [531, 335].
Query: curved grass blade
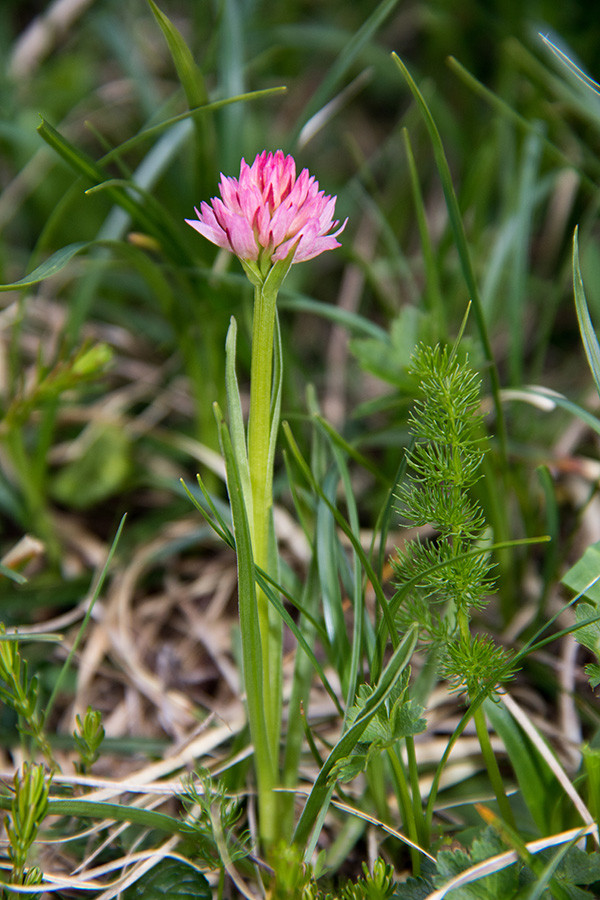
[574, 69]
[350, 320]
[547, 400]
[588, 335]
[119, 812]
[433, 291]
[50, 267]
[321, 792]
[265, 765]
[153, 130]
[86, 618]
[462, 247]
[344, 61]
[192, 80]
[509, 113]
[12, 575]
[343, 524]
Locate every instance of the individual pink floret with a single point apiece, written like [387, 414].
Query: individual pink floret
[267, 209]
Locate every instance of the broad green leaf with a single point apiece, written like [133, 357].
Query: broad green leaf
[593, 673]
[389, 359]
[50, 267]
[503, 884]
[413, 889]
[170, 879]
[584, 577]
[588, 335]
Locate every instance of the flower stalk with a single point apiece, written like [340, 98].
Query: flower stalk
[262, 430]
[270, 220]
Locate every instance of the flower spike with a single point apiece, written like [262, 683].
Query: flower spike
[267, 211]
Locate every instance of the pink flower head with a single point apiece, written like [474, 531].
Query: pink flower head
[264, 213]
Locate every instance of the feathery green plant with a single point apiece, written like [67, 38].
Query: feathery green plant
[88, 738]
[442, 580]
[31, 787]
[21, 693]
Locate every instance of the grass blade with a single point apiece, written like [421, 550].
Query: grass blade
[588, 335]
[461, 246]
[50, 267]
[318, 797]
[344, 61]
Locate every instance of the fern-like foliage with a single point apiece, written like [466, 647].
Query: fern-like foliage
[446, 578]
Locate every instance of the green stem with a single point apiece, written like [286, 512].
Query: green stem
[261, 427]
[492, 767]
[406, 808]
[417, 803]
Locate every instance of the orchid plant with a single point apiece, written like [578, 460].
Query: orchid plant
[270, 219]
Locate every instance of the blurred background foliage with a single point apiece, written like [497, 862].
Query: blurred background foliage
[154, 300]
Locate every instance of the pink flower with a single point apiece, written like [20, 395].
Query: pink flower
[264, 213]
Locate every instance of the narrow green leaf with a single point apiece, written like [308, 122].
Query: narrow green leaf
[588, 335]
[345, 60]
[47, 638]
[537, 784]
[354, 322]
[590, 85]
[118, 812]
[189, 74]
[50, 267]
[462, 246]
[236, 418]
[351, 451]
[273, 597]
[84, 165]
[509, 113]
[198, 111]
[329, 551]
[12, 575]
[343, 524]
[248, 616]
[433, 290]
[318, 797]
[584, 576]
[218, 525]
[192, 80]
[86, 618]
